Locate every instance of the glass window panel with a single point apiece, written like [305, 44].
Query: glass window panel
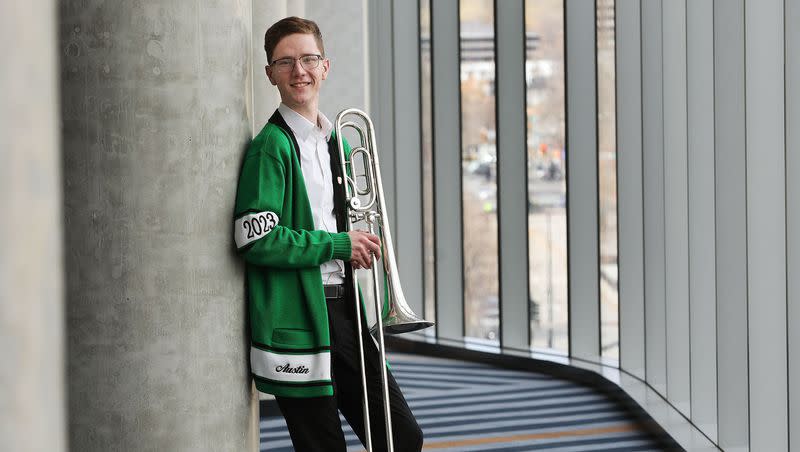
[547, 189]
[607, 165]
[478, 152]
[427, 164]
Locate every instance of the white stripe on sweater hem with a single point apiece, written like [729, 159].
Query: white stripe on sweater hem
[289, 367]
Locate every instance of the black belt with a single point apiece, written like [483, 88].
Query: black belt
[333, 291]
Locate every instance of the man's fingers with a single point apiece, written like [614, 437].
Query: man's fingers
[370, 250]
[366, 259]
[376, 250]
[364, 245]
[371, 246]
[365, 255]
[374, 245]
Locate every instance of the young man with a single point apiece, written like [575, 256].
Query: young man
[289, 211]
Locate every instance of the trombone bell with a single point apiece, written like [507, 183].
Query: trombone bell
[399, 318]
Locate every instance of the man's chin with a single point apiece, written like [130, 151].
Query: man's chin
[302, 102]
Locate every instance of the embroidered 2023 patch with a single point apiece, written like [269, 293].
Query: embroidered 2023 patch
[254, 226]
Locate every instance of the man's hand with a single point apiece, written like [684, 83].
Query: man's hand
[364, 245]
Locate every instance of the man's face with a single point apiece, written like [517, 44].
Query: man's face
[299, 87]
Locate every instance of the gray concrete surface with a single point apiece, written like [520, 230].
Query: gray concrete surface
[31, 281]
[265, 96]
[157, 111]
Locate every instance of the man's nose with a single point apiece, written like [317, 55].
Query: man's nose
[298, 67]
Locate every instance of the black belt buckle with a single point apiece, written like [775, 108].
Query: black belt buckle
[333, 291]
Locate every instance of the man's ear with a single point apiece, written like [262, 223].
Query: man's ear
[268, 71]
[326, 66]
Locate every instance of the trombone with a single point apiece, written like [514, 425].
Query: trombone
[367, 204]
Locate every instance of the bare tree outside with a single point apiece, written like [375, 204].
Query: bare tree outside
[479, 183]
[547, 190]
[607, 179]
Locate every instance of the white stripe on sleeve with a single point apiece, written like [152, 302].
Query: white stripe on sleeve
[253, 226]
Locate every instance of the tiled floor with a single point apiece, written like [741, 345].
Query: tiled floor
[465, 406]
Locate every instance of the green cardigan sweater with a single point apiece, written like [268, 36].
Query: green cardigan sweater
[274, 232]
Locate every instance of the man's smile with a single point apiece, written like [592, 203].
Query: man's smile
[299, 86]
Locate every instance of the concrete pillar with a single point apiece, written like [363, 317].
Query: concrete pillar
[31, 278]
[157, 112]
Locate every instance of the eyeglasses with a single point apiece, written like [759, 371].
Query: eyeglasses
[287, 64]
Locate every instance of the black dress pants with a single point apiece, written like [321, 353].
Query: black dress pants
[314, 423]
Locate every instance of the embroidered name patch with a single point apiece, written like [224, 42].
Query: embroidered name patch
[295, 367]
[288, 369]
[253, 226]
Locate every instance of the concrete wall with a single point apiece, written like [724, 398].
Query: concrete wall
[31, 279]
[156, 107]
[265, 96]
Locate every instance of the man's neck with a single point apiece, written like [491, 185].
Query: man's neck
[312, 114]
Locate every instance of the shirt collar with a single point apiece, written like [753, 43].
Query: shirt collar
[301, 126]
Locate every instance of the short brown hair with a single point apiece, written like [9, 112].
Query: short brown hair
[290, 26]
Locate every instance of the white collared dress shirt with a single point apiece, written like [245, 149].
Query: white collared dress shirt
[315, 162]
